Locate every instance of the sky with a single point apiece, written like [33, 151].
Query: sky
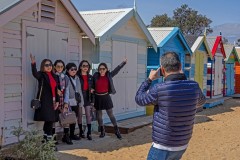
[219, 11]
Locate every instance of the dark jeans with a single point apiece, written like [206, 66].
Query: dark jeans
[158, 154]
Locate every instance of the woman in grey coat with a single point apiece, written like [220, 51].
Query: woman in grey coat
[70, 101]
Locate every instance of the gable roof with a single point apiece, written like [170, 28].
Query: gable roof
[196, 41]
[13, 8]
[105, 22]
[162, 35]
[7, 4]
[230, 49]
[213, 43]
[191, 39]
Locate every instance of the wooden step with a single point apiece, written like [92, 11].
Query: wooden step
[213, 102]
[235, 96]
[129, 125]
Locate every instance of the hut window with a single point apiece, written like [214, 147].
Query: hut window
[48, 11]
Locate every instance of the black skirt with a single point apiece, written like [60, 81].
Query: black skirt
[86, 98]
[103, 102]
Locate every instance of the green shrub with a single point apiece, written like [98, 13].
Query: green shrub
[32, 146]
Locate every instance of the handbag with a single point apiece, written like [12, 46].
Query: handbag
[36, 103]
[77, 94]
[66, 118]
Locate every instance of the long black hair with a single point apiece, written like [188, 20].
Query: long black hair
[59, 61]
[43, 63]
[103, 64]
[80, 65]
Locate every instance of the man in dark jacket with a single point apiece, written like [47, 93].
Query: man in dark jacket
[175, 102]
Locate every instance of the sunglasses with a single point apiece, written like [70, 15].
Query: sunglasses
[102, 69]
[59, 67]
[73, 69]
[48, 65]
[85, 66]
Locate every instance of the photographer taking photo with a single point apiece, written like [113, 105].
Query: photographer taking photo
[175, 103]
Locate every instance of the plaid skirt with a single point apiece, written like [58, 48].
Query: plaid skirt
[103, 102]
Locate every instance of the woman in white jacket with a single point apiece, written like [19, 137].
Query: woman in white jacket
[71, 101]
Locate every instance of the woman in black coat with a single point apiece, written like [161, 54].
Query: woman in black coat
[49, 98]
[103, 87]
[86, 80]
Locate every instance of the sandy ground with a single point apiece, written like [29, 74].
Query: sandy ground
[216, 137]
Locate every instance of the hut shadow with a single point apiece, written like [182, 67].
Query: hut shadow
[110, 143]
[66, 156]
[227, 106]
[139, 137]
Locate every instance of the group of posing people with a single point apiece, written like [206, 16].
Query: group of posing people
[58, 84]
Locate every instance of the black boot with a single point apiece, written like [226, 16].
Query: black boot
[89, 137]
[102, 130]
[44, 140]
[54, 136]
[66, 138]
[49, 138]
[117, 132]
[81, 133]
[72, 131]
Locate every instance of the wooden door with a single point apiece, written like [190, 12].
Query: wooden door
[228, 78]
[57, 45]
[42, 44]
[197, 74]
[218, 75]
[119, 99]
[131, 76]
[38, 46]
[201, 70]
[232, 79]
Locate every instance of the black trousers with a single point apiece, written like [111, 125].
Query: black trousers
[47, 128]
[72, 126]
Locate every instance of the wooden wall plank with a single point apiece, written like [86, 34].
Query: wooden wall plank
[12, 62]
[12, 88]
[12, 79]
[12, 52]
[11, 36]
[73, 42]
[13, 26]
[9, 31]
[12, 43]
[12, 71]
[12, 106]
[1, 83]
[73, 49]
[12, 98]
[12, 115]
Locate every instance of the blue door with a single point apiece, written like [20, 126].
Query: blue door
[230, 78]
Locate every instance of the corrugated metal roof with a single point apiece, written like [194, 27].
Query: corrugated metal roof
[5, 4]
[228, 50]
[211, 41]
[159, 34]
[191, 39]
[101, 21]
